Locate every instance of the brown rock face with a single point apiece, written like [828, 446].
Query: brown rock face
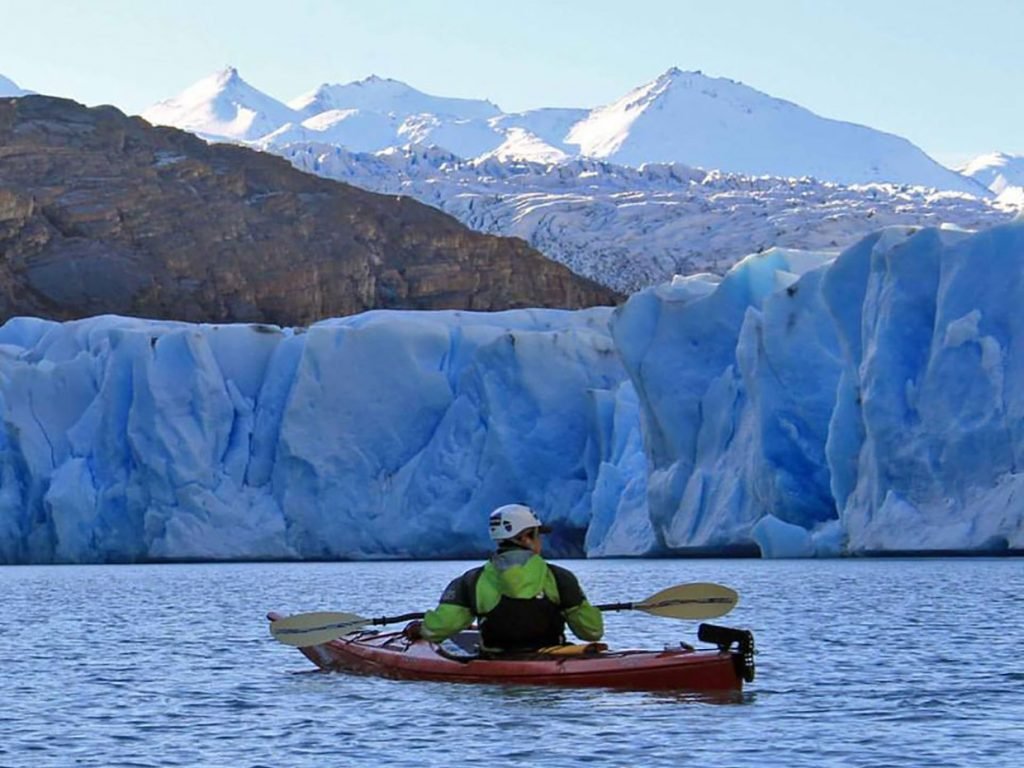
[102, 213]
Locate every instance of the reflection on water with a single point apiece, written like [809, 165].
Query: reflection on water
[860, 663]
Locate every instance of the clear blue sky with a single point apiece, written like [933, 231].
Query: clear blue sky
[946, 74]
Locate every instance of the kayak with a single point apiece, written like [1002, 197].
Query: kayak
[458, 660]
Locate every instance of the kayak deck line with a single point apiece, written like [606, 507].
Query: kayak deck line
[683, 668]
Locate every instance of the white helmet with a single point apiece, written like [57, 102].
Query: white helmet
[509, 521]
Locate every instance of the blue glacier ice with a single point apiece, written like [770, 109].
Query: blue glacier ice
[383, 434]
[803, 404]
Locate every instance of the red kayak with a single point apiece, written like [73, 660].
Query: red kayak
[391, 655]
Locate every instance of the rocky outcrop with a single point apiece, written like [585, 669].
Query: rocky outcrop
[103, 213]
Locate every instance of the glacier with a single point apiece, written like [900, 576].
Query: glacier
[631, 228]
[803, 404]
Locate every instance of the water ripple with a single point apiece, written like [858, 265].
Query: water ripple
[861, 663]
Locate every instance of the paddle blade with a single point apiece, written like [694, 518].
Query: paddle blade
[690, 601]
[306, 629]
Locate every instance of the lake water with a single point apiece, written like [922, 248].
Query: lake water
[861, 663]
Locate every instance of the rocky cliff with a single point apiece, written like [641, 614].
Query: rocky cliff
[103, 213]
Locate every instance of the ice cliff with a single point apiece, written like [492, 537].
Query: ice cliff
[802, 403]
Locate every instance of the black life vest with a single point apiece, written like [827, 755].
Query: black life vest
[523, 624]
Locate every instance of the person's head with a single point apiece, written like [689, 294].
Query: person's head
[517, 525]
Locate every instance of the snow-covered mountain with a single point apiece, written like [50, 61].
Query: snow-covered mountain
[716, 123]
[625, 225]
[389, 97]
[997, 170]
[681, 117]
[364, 116]
[1001, 173]
[9, 88]
[223, 107]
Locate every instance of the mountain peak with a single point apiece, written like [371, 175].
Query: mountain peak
[997, 171]
[715, 122]
[386, 84]
[221, 81]
[674, 74]
[228, 75]
[387, 96]
[683, 78]
[222, 105]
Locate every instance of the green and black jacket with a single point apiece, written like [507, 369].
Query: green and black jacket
[521, 602]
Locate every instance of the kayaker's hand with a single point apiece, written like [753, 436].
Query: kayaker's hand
[413, 630]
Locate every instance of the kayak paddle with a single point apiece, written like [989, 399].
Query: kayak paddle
[304, 629]
[683, 601]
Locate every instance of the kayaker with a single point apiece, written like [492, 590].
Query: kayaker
[520, 601]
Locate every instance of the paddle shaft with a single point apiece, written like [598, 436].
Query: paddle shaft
[647, 606]
[396, 619]
[641, 606]
[414, 616]
[615, 607]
